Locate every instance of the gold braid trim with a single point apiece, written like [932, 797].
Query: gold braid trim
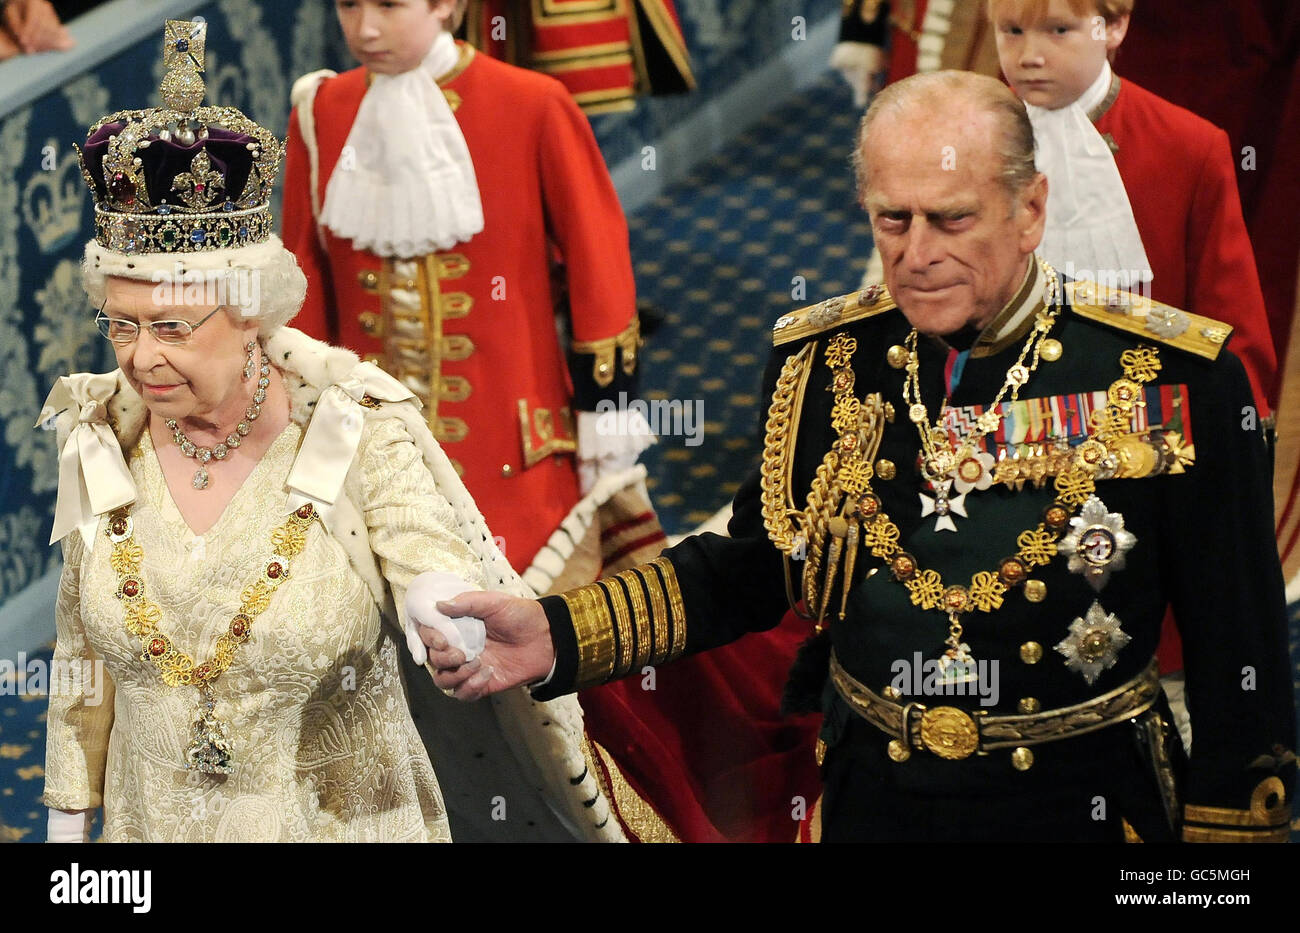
[652, 629]
[625, 622]
[632, 810]
[1217, 834]
[658, 609]
[823, 497]
[778, 448]
[1267, 820]
[629, 635]
[843, 475]
[593, 627]
[673, 593]
[846, 467]
[602, 367]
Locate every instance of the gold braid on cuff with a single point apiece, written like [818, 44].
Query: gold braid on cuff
[1267, 820]
[602, 366]
[627, 622]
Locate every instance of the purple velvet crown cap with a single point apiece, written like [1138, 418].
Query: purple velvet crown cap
[164, 159]
[182, 178]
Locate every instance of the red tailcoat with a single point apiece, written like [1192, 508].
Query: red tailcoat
[605, 53]
[1178, 171]
[473, 331]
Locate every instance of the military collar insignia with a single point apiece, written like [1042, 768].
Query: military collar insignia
[1014, 320]
[833, 312]
[1152, 320]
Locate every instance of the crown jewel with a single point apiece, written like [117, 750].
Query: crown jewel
[180, 178]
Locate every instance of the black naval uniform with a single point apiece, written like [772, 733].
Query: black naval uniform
[1204, 544]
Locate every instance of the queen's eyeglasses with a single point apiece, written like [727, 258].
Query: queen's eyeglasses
[122, 331]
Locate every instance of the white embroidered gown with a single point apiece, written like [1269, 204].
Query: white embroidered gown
[323, 743]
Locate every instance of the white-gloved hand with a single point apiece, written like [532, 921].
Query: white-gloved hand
[610, 443]
[858, 63]
[67, 827]
[422, 597]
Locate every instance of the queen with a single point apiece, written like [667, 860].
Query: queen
[253, 523]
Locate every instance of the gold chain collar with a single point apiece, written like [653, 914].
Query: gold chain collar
[843, 507]
[940, 460]
[209, 752]
[1035, 547]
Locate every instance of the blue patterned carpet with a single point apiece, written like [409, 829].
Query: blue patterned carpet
[719, 254]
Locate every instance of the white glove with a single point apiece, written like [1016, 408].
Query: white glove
[609, 443]
[858, 63]
[67, 827]
[422, 596]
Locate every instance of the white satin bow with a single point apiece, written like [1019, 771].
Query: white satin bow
[334, 434]
[93, 476]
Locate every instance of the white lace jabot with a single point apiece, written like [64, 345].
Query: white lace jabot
[405, 185]
[1091, 232]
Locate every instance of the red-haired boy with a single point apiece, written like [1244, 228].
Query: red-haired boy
[1142, 193]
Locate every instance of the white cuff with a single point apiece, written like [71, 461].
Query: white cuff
[858, 63]
[67, 827]
[543, 683]
[609, 442]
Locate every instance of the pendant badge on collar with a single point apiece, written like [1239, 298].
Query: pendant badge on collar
[1097, 543]
[209, 749]
[974, 472]
[957, 666]
[944, 505]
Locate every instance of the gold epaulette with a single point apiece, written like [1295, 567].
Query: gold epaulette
[1153, 320]
[833, 312]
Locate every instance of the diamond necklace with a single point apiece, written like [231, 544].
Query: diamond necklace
[219, 451]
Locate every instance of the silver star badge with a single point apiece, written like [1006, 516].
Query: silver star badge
[1097, 543]
[1094, 643]
[943, 506]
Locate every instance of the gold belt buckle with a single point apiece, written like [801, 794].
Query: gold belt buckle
[949, 732]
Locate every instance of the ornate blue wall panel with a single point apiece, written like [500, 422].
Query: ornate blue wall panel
[255, 50]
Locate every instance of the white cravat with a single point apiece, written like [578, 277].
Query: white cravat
[1091, 232]
[405, 185]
